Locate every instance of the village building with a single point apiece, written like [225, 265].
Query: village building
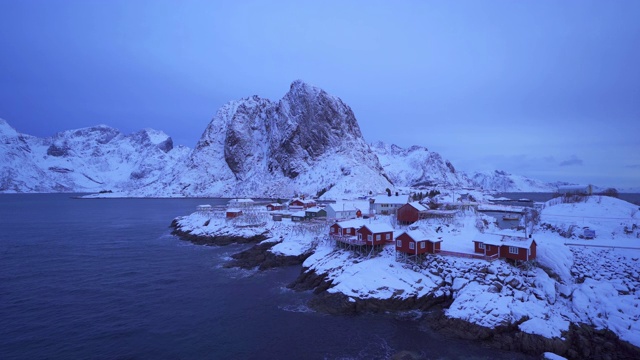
[387, 204]
[300, 204]
[414, 244]
[299, 216]
[411, 212]
[347, 209]
[375, 234]
[274, 207]
[517, 248]
[233, 213]
[315, 212]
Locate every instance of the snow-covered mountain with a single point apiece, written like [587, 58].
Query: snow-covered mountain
[502, 181]
[417, 166]
[90, 159]
[308, 142]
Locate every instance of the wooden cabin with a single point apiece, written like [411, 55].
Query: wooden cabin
[299, 216]
[415, 243]
[274, 207]
[411, 212]
[375, 234]
[300, 204]
[315, 212]
[233, 213]
[517, 248]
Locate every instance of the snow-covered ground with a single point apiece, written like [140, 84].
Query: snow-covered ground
[571, 281]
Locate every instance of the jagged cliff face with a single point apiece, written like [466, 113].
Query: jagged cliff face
[417, 166]
[89, 159]
[307, 142]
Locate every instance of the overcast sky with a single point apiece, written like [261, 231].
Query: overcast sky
[546, 89]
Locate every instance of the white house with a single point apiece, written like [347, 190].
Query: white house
[386, 205]
[347, 209]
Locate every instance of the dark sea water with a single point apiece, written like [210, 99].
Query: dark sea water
[104, 279]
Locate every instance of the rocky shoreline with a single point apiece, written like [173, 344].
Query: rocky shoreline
[581, 341]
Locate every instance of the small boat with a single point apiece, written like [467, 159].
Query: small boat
[511, 217]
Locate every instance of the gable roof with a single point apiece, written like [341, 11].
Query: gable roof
[299, 214]
[355, 223]
[416, 205]
[314, 209]
[420, 235]
[378, 228]
[505, 240]
[397, 200]
[349, 205]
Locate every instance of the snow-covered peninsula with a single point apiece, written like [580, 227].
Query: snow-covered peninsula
[579, 294]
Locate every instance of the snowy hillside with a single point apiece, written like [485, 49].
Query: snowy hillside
[502, 181]
[417, 166]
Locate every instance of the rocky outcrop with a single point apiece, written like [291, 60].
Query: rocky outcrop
[259, 256]
[220, 240]
[581, 341]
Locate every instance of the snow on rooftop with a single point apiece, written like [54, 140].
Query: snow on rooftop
[379, 227]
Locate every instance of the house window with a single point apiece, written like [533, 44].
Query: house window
[412, 245]
[388, 236]
[348, 231]
[422, 245]
[370, 237]
[399, 243]
[360, 237]
[378, 237]
[513, 250]
[481, 246]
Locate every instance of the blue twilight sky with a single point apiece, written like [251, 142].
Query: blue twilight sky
[547, 89]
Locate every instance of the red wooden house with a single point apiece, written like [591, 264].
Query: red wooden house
[375, 234]
[504, 246]
[233, 213]
[299, 204]
[416, 243]
[411, 212]
[345, 228]
[274, 207]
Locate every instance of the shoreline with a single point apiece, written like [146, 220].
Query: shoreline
[579, 342]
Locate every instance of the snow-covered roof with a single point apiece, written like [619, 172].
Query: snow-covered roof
[232, 210]
[299, 214]
[506, 240]
[349, 205]
[304, 201]
[314, 209]
[416, 205]
[354, 223]
[274, 204]
[419, 235]
[398, 200]
[379, 228]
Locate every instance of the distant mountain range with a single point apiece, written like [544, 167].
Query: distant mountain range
[308, 142]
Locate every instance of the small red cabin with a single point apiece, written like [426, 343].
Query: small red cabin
[233, 213]
[298, 204]
[345, 228]
[274, 207]
[417, 242]
[375, 234]
[505, 246]
[411, 212]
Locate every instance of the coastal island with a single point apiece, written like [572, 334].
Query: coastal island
[576, 297]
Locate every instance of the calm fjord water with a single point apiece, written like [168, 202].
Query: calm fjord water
[104, 279]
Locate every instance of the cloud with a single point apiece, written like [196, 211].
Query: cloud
[573, 160]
